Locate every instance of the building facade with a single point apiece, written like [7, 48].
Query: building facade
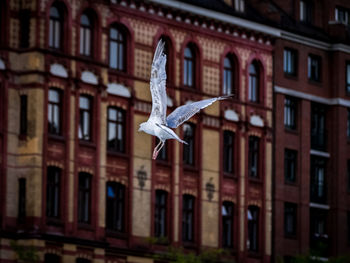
[77, 180]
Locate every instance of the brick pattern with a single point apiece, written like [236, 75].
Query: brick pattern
[211, 80]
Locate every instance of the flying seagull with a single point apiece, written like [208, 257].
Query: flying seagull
[158, 124]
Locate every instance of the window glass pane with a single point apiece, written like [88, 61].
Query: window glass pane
[84, 103]
[84, 20]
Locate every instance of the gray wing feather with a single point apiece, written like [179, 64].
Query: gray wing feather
[157, 85]
[185, 112]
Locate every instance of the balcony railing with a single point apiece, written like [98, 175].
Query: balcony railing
[319, 140]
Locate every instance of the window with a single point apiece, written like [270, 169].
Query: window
[305, 11]
[348, 223]
[227, 224]
[23, 115]
[314, 68]
[318, 180]
[21, 199]
[83, 260]
[189, 67]
[188, 218]
[84, 198]
[290, 165]
[54, 112]
[160, 214]
[318, 230]
[290, 219]
[318, 124]
[253, 228]
[53, 192]
[348, 175]
[116, 129]
[253, 82]
[85, 118]
[115, 208]
[24, 21]
[347, 78]
[228, 78]
[85, 35]
[52, 258]
[239, 5]
[117, 48]
[189, 149]
[289, 61]
[348, 126]
[342, 15]
[229, 138]
[55, 28]
[163, 154]
[253, 157]
[290, 113]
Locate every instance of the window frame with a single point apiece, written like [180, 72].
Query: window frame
[229, 71]
[347, 78]
[161, 207]
[55, 105]
[86, 31]
[53, 22]
[254, 84]
[120, 66]
[251, 223]
[290, 69]
[290, 210]
[53, 191]
[82, 113]
[290, 113]
[338, 10]
[290, 158]
[189, 79]
[84, 208]
[306, 12]
[226, 230]
[188, 219]
[22, 199]
[191, 140]
[314, 76]
[119, 147]
[228, 147]
[254, 157]
[318, 185]
[119, 204]
[23, 118]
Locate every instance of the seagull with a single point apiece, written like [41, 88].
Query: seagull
[158, 124]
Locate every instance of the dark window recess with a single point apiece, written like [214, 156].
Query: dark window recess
[319, 239]
[318, 180]
[189, 67]
[318, 127]
[115, 208]
[290, 113]
[253, 228]
[348, 224]
[290, 62]
[117, 48]
[86, 35]
[188, 218]
[116, 129]
[160, 214]
[348, 176]
[54, 112]
[253, 158]
[347, 78]
[163, 154]
[84, 198]
[254, 82]
[290, 219]
[85, 118]
[227, 224]
[53, 185]
[52, 258]
[342, 15]
[24, 21]
[348, 126]
[83, 260]
[306, 11]
[23, 115]
[229, 138]
[314, 68]
[21, 199]
[290, 165]
[55, 28]
[228, 78]
[189, 149]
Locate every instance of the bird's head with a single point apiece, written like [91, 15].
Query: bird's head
[142, 127]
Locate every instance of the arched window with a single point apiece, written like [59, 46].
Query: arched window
[228, 78]
[53, 190]
[189, 67]
[54, 111]
[116, 129]
[253, 228]
[117, 48]
[86, 35]
[253, 82]
[189, 149]
[228, 153]
[55, 28]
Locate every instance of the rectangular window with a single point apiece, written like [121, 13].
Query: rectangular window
[54, 112]
[228, 148]
[21, 199]
[318, 180]
[163, 153]
[85, 118]
[348, 223]
[189, 149]
[115, 207]
[341, 15]
[314, 68]
[253, 228]
[84, 198]
[305, 11]
[160, 214]
[290, 61]
[318, 127]
[24, 20]
[318, 230]
[348, 176]
[290, 113]
[347, 77]
[290, 219]
[116, 129]
[348, 126]
[253, 157]
[290, 165]
[23, 115]
[188, 218]
[53, 192]
[227, 224]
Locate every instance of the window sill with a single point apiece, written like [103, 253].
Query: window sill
[56, 137]
[116, 234]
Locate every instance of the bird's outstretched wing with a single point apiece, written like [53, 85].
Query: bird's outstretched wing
[157, 85]
[185, 112]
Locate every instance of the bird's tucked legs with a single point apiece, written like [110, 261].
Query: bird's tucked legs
[156, 150]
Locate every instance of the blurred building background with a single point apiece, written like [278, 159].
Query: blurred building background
[265, 175]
